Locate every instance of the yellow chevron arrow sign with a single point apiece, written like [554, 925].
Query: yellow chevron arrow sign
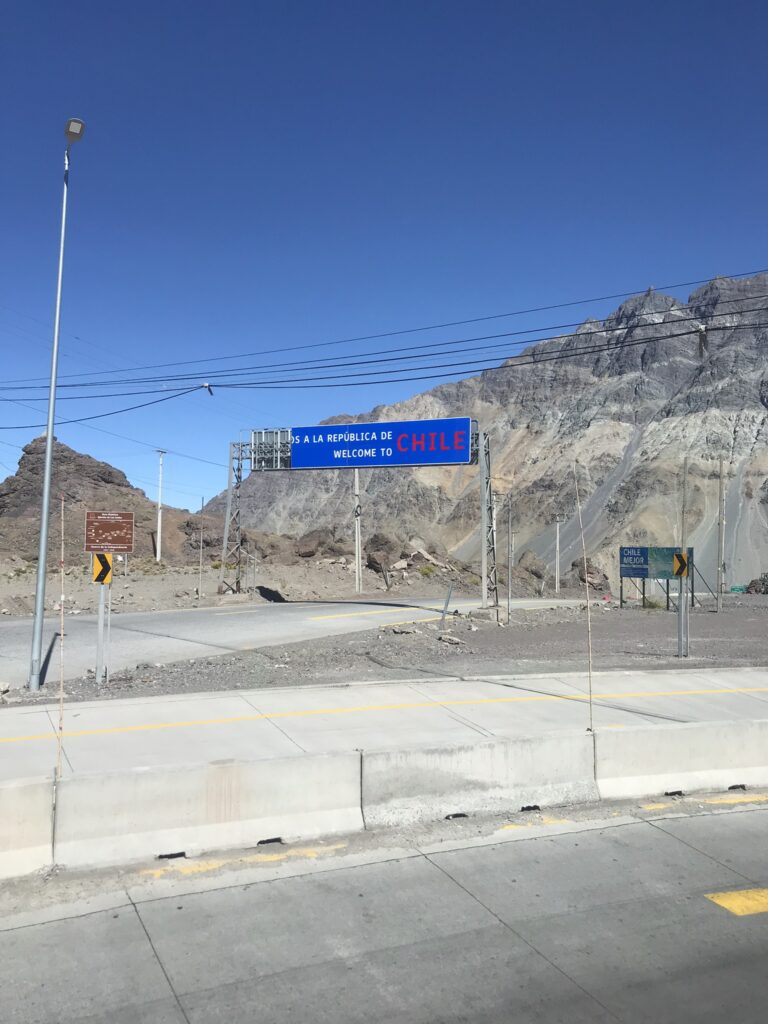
[102, 567]
[680, 563]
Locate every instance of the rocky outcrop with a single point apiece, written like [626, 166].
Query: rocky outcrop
[86, 483]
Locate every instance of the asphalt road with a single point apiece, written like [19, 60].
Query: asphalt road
[162, 637]
[662, 920]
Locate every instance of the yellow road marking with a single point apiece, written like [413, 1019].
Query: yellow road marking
[380, 611]
[742, 903]
[656, 807]
[199, 867]
[357, 709]
[755, 798]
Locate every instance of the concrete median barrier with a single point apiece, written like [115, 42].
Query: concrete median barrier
[25, 826]
[401, 786]
[658, 759]
[121, 816]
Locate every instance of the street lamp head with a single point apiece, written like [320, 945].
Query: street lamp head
[74, 129]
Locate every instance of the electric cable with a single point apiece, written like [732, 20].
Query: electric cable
[103, 415]
[467, 342]
[428, 327]
[514, 363]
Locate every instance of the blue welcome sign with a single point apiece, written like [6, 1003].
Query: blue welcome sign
[443, 442]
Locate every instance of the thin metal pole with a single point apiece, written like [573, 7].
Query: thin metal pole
[557, 556]
[358, 534]
[100, 636]
[720, 540]
[60, 731]
[159, 547]
[586, 584]
[682, 594]
[109, 634]
[483, 522]
[42, 553]
[509, 557]
[200, 566]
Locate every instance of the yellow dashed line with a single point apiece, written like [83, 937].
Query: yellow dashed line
[358, 709]
[742, 903]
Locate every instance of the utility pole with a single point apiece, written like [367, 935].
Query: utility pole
[200, 566]
[159, 545]
[510, 554]
[73, 131]
[720, 539]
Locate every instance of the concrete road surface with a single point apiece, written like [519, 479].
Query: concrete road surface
[161, 637]
[662, 920]
[108, 735]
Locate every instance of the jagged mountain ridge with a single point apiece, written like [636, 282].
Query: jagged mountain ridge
[626, 415]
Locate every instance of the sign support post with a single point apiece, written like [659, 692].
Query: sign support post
[358, 512]
[720, 539]
[484, 488]
[510, 555]
[100, 637]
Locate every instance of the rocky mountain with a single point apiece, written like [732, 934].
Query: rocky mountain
[86, 484]
[637, 393]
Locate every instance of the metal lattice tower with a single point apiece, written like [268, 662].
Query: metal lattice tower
[232, 549]
[489, 585]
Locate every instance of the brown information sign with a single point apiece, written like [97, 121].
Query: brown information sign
[109, 531]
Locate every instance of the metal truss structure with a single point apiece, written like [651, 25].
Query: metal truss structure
[489, 586]
[270, 451]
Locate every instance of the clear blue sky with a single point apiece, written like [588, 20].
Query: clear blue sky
[261, 175]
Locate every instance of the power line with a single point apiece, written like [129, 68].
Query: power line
[102, 415]
[460, 370]
[416, 330]
[460, 342]
[112, 394]
[123, 437]
[518, 362]
[384, 375]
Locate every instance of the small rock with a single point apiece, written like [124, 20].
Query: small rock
[403, 630]
[448, 639]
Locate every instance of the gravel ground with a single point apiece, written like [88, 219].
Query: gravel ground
[535, 641]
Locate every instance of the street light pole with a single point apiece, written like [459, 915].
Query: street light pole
[73, 131]
[159, 546]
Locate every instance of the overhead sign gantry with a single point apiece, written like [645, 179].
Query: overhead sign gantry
[438, 442]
